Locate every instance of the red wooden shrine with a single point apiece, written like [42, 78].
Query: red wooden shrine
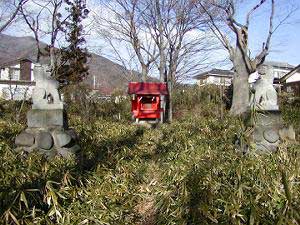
[146, 99]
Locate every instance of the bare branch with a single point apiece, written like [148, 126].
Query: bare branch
[215, 29]
[252, 11]
[259, 59]
[12, 17]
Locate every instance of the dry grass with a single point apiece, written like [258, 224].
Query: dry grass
[186, 172]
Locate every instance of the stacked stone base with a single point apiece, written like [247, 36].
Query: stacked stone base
[269, 131]
[48, 134]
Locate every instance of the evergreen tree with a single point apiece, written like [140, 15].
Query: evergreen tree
[74, 56]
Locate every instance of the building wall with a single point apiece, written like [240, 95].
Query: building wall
[215, 80]
[278, 72]
[16, 81]
[15, 91]
[10, 73]
[18, 72]
[294, 78]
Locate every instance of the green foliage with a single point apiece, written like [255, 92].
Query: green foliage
[188, 97]
[291, 114]
[205, 101]
[85, 103]
[14, 110]
[74, 56]
[28, 185]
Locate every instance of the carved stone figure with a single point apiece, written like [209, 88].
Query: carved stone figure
[264, 95]
[268, 126]
[45, 94]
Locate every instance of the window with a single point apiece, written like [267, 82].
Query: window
[14, 74]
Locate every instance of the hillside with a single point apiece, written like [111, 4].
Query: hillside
[108, 75]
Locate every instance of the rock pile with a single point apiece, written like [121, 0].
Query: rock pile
[47, 139]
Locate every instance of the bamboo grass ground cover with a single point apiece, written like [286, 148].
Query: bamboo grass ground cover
[186, 172]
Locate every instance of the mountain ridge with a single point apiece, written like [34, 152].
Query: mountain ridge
[104, 75]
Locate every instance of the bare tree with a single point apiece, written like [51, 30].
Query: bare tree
[32, 19]
[171, 23]
[55, 28]
[160, 34]
[44, 19]
[124, 24]
[126, 57]
[9, 11]
[240, 55]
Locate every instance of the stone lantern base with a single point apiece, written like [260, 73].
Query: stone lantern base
[48, 134]
[269, 131]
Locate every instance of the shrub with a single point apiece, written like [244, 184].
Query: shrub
[205, 101]
[14, 111]
[89, 105]
[291, 113]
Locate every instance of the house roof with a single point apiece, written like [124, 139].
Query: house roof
[144, 88]
[14, 62]
[229, 73]
[215, 72]
[283, 65]
[289, 74]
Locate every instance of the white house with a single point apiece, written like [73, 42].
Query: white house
[224, 77]
[292, 76]
[290, 82]
[215, 76]
[279, 68]
[16, 79]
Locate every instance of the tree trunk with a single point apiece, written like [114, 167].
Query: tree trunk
[160, 44]
[170, 104]
[240, 98]
[39, 53]
[144, 73]
[52, 60]
[221, 101]
[163, 107]
[162, 78]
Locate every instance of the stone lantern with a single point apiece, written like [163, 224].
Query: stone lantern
[47, 130]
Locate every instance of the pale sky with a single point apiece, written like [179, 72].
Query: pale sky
[285, 45]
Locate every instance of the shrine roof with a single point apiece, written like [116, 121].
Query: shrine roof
[144, 88]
